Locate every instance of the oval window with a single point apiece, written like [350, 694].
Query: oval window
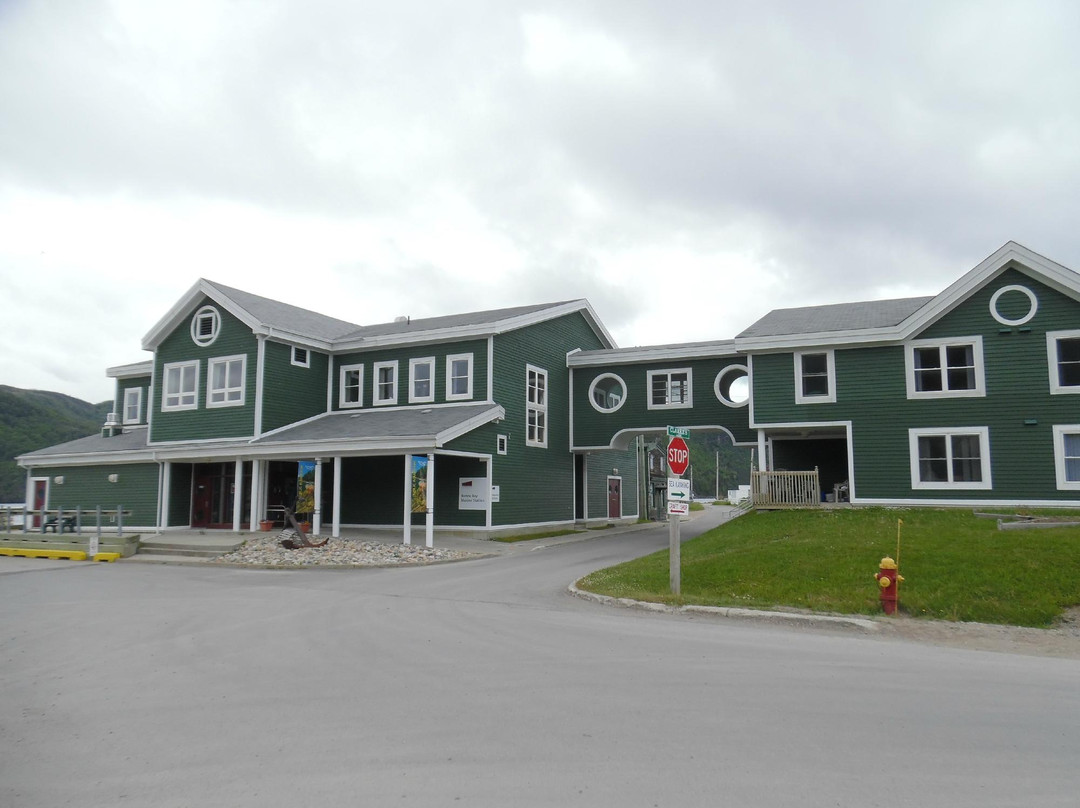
[607, 393]
[732, 386]
[1013, 305]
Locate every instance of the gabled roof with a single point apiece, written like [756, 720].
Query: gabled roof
[897, 320]
[302, 326]
[675, 352]
[261, 314]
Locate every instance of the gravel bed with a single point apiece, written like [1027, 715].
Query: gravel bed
[267, 551]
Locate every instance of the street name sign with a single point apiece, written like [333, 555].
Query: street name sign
[678, 432]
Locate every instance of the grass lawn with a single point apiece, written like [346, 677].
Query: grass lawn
[956, 566]
[530, 536]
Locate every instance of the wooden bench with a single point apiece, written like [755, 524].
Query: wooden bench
[65, 525]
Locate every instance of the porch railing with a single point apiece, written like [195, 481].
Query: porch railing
[785, 489]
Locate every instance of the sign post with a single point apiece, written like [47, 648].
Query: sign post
[678, 496]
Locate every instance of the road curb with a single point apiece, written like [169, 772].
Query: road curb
[792, 618]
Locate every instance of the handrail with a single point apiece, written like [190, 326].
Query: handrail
[785, 489]
[62, 520]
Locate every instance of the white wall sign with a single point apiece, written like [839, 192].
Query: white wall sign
[473, 493]
[494, 493]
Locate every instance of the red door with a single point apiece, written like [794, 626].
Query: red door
[614, 498]
[40, 488]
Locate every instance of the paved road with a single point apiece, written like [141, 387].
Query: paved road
[485, 684]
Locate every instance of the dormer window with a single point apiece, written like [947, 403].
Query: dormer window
[205, 326]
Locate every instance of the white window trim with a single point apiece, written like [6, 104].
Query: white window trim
[376, 401]
[975, 342]
[718, 386]
[242, 389]
[1060, 431]
[342, 403]
[413, 365]
[137, 391]
[1052, 337]
[205, 311]
[502, 442]
[592, 389]
[194, 405]
[686, 405]
[307, 356]
[450, 396]
[539, 408]
[830, 369]
[984, 458]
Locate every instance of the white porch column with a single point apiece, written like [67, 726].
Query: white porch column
[429, 529]
[256, 493]
[316, 516]
[762, 463]
[166, 486]
[238, 496]
[487, 461]
[335, 531]
[407, 529]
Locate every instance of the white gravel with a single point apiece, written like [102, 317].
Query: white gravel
[267, 551]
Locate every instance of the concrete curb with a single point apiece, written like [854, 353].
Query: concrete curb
[791, 618]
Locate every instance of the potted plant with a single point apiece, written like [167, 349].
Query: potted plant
[266, 525]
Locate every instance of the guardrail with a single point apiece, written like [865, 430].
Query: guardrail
[58, 520]
[785, 489]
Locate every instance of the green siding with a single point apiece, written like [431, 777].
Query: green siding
[205, 423]
[88, 487]
[291, 393]
[594, 428]
[478, 348]
[599, 465]
[872, 394]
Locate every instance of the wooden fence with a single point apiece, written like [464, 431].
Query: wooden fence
[785, 489]
[20, 519]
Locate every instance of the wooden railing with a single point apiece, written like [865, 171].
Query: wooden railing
[785, 489]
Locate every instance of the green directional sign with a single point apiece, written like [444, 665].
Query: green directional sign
[678, 432]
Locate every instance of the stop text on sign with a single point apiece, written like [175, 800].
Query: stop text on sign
[678, 456]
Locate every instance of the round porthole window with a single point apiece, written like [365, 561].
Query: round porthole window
[1013, 305]
[205, 325]
[607, 393]
[732, 386]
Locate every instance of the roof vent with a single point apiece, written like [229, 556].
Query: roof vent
[403, 318]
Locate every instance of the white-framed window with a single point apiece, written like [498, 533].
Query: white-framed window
[815, 377]
[181, 388]
[384, 383]
[950, 458]
[732, 386]
[671, 388]
[1063, 359]
[133, 405]
[225, 381]
[351, 386]
[422, 380]
[301, 357]
[1067, 456]
[607, 393]
[945, 368]
[205, 326]
[501, 444]
[536, 406]
[459, 371]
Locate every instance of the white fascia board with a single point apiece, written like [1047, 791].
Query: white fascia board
[284, 337]
[622, 439]
[87, 459]
[130, 371]
[186, 305]
[496, 413]
[802, 425]
[653, 353]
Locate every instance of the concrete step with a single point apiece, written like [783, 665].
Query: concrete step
[191, 552]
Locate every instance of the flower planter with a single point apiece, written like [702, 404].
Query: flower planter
[305, 527]
[266, 525]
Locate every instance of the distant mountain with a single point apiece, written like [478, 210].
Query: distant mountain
[34, 419]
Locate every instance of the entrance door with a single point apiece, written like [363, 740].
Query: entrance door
[212, 501]
[614, 497]
[39, 491]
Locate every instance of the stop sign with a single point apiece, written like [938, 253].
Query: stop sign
[678, 456]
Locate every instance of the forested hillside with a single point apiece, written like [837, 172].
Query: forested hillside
[33, 419]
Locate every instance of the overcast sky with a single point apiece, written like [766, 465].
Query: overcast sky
[686, 165]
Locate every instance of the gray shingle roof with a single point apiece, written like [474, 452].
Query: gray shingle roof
[448, 321]
[285, 316]
[411, 422]
[835, 317]
[94, 444]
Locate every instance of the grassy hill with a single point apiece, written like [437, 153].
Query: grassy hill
[33, 419]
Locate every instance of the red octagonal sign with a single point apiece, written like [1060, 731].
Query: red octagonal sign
[678, 456]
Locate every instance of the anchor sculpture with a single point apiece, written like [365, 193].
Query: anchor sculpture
[302, 540]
